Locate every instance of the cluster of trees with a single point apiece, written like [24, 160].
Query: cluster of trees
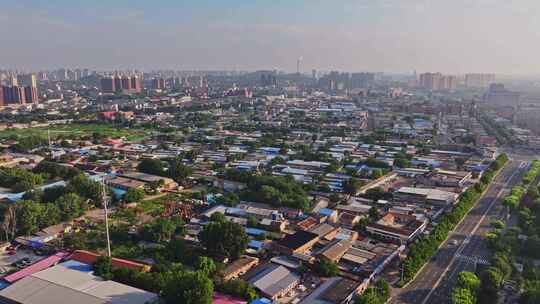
[352, 186]
[306, 153]
[172, 168]
[20, 180]
[377, 294]
[466, 291]
[40, 209]
[56, 170]
[173, 282]
[237, 175]
[230, 199]
[163, 229]
[375, 163]
[326, 268]
[373, 173]
[378, 193]
[27, 217]
[531, 292]
[134, 195]
[402, 160]
[182, 274]
[467, 288]
[238, 288]
[28, 143]
[493, 277]
[224, 238]
[514, 198]
[421, 251]
[277, 191]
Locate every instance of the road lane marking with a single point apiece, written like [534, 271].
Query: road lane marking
[460, 249]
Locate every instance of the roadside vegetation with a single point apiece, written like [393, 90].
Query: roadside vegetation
[422, 251]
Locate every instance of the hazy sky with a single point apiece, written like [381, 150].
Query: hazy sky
[452, 36]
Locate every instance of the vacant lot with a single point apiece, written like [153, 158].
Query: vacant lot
[76, 130]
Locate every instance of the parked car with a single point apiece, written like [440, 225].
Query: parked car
[13, 247]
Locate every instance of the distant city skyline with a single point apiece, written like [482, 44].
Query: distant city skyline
[456, 37]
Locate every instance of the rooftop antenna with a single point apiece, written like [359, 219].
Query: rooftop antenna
[104, 200]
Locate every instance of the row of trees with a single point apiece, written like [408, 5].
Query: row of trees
[509, 244]
[503, 134]
[533, 172]
[421, 251]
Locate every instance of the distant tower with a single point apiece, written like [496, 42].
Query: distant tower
[298, 64]
[13, 81]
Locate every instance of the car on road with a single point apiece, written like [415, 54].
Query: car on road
[454, 242]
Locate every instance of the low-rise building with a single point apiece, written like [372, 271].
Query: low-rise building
[335, 250]
[274, 281]
[238, 267]
[299, 242]
[124, 183]
[72, 282]
[397, 227]
[426, 196]
[168, 183]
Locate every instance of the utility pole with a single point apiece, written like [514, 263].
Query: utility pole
[49, 137]
[104, 200]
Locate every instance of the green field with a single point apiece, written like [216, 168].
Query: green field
[77, 130]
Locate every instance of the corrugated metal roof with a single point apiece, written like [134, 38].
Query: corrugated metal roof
[36, 267]
[274, 279]
[65, 283]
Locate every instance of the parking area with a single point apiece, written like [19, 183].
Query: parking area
[20, 259]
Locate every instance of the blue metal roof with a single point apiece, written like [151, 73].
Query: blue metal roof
[262, 301]
[255, 244]
[325, 211]
[255, 231]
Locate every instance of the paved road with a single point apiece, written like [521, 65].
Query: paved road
[436, 280]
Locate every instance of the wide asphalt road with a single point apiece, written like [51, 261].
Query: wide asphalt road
[464, 247]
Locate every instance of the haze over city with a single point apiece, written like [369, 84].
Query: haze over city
[456, 36]
[270, 152]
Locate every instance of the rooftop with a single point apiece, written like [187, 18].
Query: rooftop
[298, 239]
[73, 282]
